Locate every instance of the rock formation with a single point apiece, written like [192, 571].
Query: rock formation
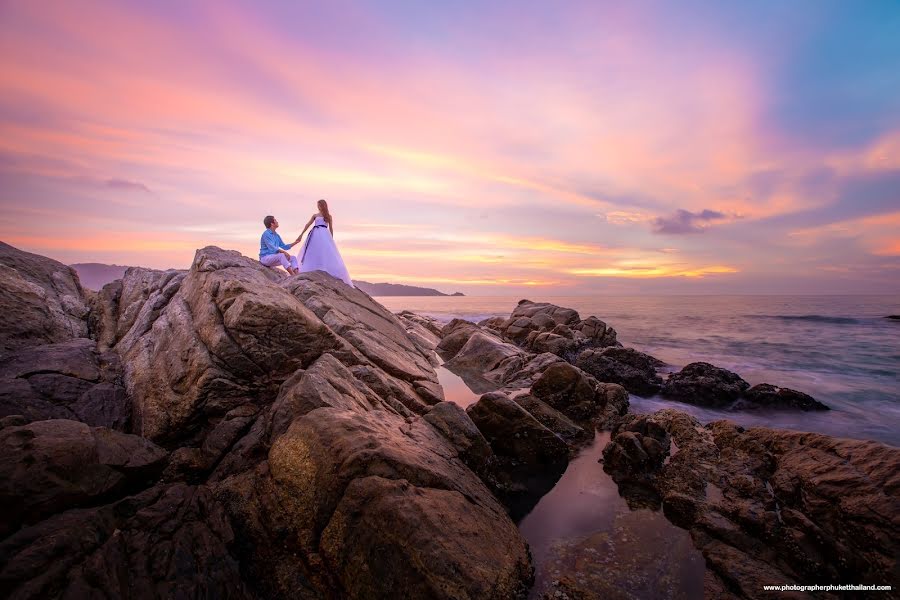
[766, 505]
[766, 395]
[544, 327]
[633, 370]
[707, 385]
[277, 437]
[537, 409]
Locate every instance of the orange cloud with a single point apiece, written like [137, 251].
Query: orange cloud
[643, 272]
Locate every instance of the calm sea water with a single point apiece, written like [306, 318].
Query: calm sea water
[839, 349]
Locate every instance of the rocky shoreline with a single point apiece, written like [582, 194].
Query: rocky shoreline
[228, 431]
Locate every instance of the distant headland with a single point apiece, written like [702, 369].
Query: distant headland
[95, 275]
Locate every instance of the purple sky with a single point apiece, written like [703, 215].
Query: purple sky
[491, 148]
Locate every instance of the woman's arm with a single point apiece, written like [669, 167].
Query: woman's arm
[308, 223]
[331, 226]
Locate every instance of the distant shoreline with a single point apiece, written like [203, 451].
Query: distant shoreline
[94, 276]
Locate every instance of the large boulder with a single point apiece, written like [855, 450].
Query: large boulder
[454, 336]
[50, 466]
[530, 457]
[380, 556]
[227, 334]
[638, 447]
[578, 395]
[770, 505]
[489, 357]
[705, 385]
[514, 433]
[67, 380]
[544, 327]
[41, 301]
[633, 370]
[230, 330]
[567, 389]
[373, 504]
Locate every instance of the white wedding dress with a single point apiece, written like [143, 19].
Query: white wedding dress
[320, 253]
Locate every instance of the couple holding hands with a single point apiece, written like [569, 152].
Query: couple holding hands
[319, 252]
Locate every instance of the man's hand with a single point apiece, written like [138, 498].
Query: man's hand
[285, 252]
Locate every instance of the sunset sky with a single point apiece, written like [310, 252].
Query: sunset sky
[487, 147]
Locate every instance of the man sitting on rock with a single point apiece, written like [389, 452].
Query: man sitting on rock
[272, 249]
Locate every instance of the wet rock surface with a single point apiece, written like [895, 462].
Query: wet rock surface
[633, 370]
[764, 504]
[704, 384]
[766, 395]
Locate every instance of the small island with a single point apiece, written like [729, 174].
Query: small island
[398, 289]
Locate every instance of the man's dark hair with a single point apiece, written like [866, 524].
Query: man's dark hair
[268, 221]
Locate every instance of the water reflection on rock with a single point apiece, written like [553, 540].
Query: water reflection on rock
[587, 543]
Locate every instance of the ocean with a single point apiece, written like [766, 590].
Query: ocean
[839, 349]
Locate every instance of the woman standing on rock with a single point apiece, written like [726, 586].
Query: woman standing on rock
[320, 253]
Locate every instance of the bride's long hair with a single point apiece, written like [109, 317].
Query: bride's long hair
[323, 208]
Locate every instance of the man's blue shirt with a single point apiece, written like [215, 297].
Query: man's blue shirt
[270, 243]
